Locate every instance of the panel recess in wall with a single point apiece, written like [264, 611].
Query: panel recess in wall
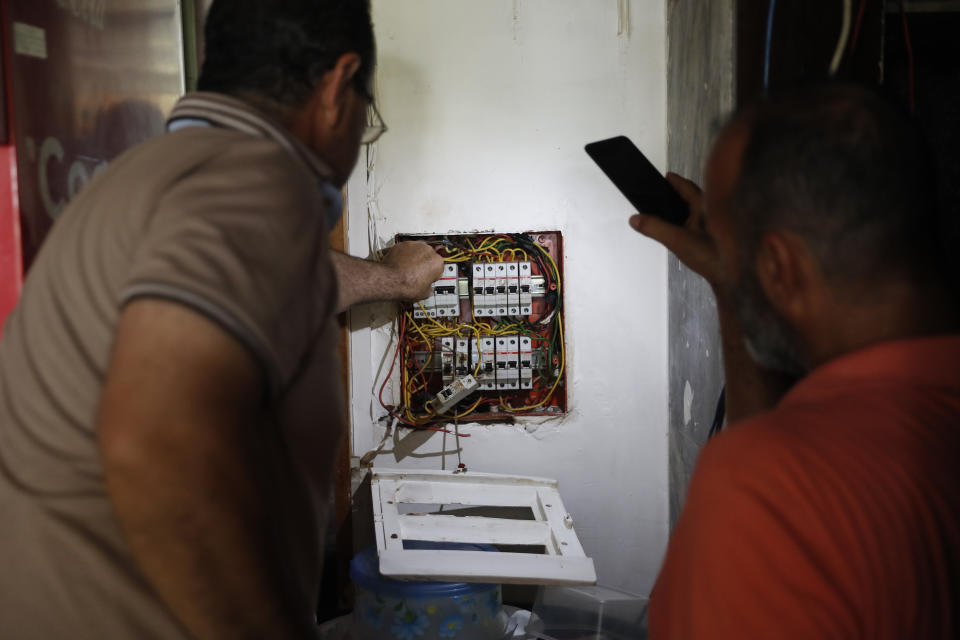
[488, 343]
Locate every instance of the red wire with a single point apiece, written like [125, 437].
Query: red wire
[856, 29]
[906, 37]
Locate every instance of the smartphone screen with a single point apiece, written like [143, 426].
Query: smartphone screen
[638, 179]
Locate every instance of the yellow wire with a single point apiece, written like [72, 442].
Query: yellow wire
[422, 369]
[483, 247]
[427, 316]
[416, 325]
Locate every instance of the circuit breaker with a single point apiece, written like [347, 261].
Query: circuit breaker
[495, 316]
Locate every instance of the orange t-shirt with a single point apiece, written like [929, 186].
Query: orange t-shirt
[835, 515]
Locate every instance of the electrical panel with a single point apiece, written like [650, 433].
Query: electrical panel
[488, 343]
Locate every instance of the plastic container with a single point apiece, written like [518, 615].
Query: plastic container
[588, 613]
[405, 610]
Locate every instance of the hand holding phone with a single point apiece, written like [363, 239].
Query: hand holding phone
[638, 179]
[665, 211]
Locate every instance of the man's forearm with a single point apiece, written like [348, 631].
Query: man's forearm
[360, 281]
[750, 388]
[406, 273]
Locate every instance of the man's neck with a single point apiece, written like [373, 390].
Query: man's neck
[896, 311]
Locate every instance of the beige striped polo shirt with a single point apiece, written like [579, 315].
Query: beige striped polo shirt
[228, 215]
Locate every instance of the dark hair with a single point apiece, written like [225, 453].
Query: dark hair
[847, 171]
[273, 52]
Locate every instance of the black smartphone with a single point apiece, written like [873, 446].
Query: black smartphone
[638, 179]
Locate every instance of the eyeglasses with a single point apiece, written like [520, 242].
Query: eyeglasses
[376, 127]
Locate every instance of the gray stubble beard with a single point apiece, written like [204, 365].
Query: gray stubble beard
[769, 341]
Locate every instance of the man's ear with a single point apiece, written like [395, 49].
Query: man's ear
[788, 274]
[335, 91]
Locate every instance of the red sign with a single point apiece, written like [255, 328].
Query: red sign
[11, 256]
[90, 79]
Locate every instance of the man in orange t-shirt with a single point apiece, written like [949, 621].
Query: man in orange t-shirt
[830, 508]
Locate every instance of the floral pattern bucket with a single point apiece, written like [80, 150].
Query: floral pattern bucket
[387, 608]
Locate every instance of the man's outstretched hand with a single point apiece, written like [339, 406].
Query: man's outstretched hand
[690, 243]
[405, 273]
[417, 266]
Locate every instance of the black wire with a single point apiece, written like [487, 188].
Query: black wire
[538, 253]
[551, 298]
[718, 417]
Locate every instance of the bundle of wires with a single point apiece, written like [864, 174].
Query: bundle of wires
[416, 335]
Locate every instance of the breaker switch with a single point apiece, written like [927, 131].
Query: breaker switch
[462, 357]
[485, 354]
[446, 299]
[479, 285]
[513, 286]
[501, 284]
[491, 298]
[507, 358]
[453, 393]
[526, 358]
[525, 282]
[446, 359]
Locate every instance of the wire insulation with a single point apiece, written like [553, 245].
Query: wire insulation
[719, 415]
[856, 28]
[771, 11]
[910, 61]
[844, 35]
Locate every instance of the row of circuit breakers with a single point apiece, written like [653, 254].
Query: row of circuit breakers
[497, 363]
[496, 289]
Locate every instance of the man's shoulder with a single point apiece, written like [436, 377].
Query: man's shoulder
[838, 437]
[198, 166]
[773, 457]
[217, 147]
[757, 445]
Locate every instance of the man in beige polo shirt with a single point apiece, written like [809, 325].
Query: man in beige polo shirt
[169, 395]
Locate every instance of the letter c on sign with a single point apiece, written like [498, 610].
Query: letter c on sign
[51, 148]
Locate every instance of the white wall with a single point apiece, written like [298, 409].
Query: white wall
[489, 104]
